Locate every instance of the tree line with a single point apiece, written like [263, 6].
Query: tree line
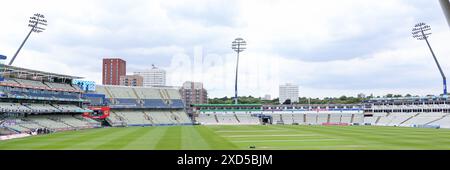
[303, 100]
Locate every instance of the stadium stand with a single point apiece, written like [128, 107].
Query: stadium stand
[422, 119]
[144, 106]
[207, 119]
[32, 99]
[13, 108]
[311, 119]
[115, 120]
[322, 118]
[443, 122]
[289, 119]
[247, 119]
[31, 83]
[409, 112]
[277, 118]
[346, 118]
[292, 114]
[227, 119]
[141, 97]
[60, 86]
[134, 118]
[53, 122]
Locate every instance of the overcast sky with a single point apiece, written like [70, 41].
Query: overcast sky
[328, 48]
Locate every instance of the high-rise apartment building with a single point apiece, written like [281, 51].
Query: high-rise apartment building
[113, 68]
[153, 77]
[193, 93]
[288, 91]
[131, 80]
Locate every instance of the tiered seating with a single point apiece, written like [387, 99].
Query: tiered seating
[15, 124]
[226, 118]
[147, 93]
[60, 86]
[182, 116]
[247, 119]
[31, 125]
[423, 119]
[6, 131]
[206, 119]
[397, 118]
[358, 118]
[39, 108]
[288, 119]
[9, 82]
[311, 119]
[14, 107]
[69, 108]
[346, 118]
[174, 94]
[116, 120]
[335, 118]
[161, 117]
[90, 121]
[122, 92]
[49, 123]
[17, 127]
[133, 117]
[384, 121]
[370, 120]
[76, 122]
[322, 118]
[54, 122]
[277, 119]
[103, 90]
[42, 108]
[31, 83]
[298, 118]
[141, 97]
[443, 123]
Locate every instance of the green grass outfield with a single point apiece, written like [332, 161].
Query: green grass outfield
[278, 137]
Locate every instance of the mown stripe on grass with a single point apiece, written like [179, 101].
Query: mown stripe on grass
[120, 141]
[171, 140]
[148, 140]
[213, 139]
[191, 139]
[371, 141]
[75, 139]
[49, 141]
[101, 139]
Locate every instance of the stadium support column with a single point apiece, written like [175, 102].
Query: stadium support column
[444, 79]
[445, 4]
[34, 22]
[235, 81]
[421, 32]
[237, 45]
[21, 45]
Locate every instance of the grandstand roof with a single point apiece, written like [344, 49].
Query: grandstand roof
[24, 72]
[417, 98]
[224, 105]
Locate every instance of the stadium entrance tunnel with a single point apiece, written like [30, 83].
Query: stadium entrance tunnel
[266, 119]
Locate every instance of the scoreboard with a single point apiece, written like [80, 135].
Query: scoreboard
[84, 85]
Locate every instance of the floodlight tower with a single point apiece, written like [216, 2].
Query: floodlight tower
[237, 45]
[421, 31]
[445, 5]
[36, 22]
